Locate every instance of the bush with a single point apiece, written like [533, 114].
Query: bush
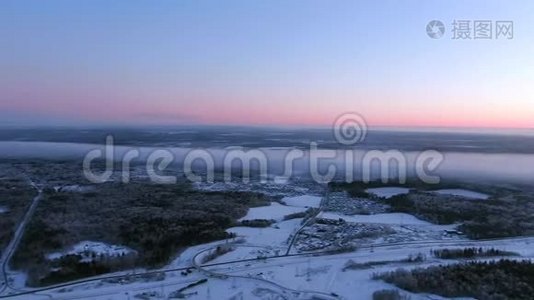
[470, 253]
[219, 251]
[258, 223]
[303, 214]
[388, 295]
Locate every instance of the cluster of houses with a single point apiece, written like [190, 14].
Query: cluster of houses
[341, 202]
[328, 234]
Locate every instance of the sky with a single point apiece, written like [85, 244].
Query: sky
[283, 63]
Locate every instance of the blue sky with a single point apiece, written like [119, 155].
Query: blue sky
[262, 63]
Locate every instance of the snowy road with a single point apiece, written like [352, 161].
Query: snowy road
[12, 246]
[239, 269]
[271, 272]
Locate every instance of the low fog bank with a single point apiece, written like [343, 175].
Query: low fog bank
[457, 165]
[221, 137]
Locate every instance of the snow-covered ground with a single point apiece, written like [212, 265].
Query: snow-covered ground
[322, 274]
[289, 277]
[388, 192]
[91, 247]
[317, 273]
[275, 211]
[463, 193]
[3, 209]
[303, 201]
[326, 274]
[275, 235]
[388, 218]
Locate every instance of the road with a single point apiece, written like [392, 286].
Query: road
[434, 243]
[320, 209]
[225, 274]
[13, 244]
[222, 273]
[286, 290]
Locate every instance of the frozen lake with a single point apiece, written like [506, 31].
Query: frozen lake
[463, 193]
[275, 211]
[303, 201]
[388, 192]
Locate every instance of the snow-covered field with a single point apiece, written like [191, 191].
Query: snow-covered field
[388, 192]
[463, 193]
[275, 235]
[275, 211]
[97, 248]
[325, 274]
[288, 277]
[388, 218]
[303, 201]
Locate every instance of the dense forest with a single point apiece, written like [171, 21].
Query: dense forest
[493, 218]
[506, 213]
[154, 220]
[15, 197]
[469, 253]
[503, 279]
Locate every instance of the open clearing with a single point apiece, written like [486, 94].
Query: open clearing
[463, 193]
[388, 218]
[275, 211]
[388, 192]
[303, 201]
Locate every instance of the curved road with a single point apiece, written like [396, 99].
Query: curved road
[320, 209]
[439, 243]
[12, 246]
[20, 231]
[272, 283]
